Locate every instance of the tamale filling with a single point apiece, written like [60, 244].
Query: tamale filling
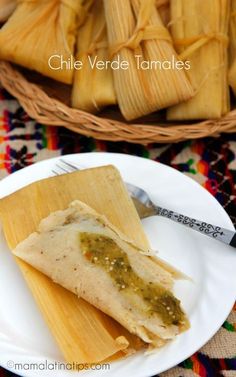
[105, 253]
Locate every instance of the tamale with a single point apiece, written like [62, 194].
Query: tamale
[40, 35]
[137, 35]
[93, 88]
[163, 7]
[84, 334]
[6, 9]
[232, 71]
[82, 251]
[199, 30]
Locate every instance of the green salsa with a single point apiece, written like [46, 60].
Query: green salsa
[104, 252]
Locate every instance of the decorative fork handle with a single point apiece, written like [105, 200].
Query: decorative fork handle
[216, 232]
[220, 234]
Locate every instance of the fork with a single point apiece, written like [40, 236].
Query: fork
[147, 208]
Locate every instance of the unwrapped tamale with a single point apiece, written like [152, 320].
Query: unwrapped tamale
[232, 71]
[82, 251]
[40, 35]
[137, 36]
[93, 88]
[199, 30]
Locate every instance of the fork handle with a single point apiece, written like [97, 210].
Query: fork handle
[220, 234]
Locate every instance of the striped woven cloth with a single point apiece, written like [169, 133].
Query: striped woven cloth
[211, 162]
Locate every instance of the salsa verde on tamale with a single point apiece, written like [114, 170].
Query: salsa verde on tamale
[104, 252]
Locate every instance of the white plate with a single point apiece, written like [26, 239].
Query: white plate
[24, 337]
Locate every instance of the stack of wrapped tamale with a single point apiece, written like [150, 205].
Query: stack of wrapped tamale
[150, 36]
[232, 71]
[199, 30]
[36, 31]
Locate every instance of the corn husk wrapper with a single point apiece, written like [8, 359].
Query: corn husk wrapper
[83, 333]
[93, 89]
[232, 71]
[199, 30]
[135, 28]
[38, 30]
[163, 7]
[6, 9]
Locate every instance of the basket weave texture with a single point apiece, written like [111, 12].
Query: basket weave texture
[49, 111]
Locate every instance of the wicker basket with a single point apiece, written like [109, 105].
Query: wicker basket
[50, 111]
